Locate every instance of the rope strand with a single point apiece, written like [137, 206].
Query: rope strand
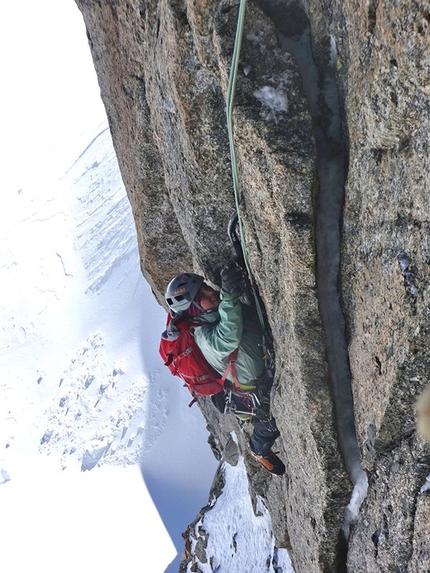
[229, 108]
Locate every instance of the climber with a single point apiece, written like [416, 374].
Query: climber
[221, 323]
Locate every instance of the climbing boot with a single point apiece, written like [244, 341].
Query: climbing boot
[270, 462]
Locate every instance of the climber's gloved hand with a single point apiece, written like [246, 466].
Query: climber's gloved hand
[232, 278]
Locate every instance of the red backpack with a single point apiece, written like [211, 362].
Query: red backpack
[184, 359]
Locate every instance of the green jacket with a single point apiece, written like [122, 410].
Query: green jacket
[233, 325]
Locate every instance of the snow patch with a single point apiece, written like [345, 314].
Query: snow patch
[106, 235]
[96, 402]
[231, 537]
[333, 52]
[257, 38]
[274, 99]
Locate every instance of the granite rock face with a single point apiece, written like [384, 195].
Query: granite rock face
[163, 70]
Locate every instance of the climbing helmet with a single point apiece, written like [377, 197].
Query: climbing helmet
[181, 291]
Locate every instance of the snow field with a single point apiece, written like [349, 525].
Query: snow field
[237, 539]
[96, 521]
[78, 353]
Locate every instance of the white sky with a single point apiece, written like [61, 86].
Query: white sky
[49, 92]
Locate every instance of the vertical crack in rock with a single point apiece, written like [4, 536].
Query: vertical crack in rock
[320, 89]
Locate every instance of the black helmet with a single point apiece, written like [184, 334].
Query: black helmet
[182, 290]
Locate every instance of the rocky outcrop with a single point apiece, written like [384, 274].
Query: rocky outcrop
[163, 69]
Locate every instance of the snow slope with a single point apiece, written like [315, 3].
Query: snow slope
[80, 378]
[232, 537]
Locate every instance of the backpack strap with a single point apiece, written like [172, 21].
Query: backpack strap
[231, 367]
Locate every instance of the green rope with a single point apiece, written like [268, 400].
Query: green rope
[229, 108]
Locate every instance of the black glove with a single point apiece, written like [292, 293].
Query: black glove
[232, 279]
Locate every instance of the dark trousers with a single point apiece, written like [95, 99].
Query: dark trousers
[264, 434]
[265, 431]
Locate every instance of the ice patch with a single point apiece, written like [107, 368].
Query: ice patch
[333, 51]
[359, 494]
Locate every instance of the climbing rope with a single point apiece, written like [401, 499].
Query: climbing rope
[229, 108]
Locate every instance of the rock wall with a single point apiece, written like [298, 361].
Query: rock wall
[163, 70]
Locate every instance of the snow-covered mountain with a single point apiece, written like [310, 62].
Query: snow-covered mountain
[82, 385]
